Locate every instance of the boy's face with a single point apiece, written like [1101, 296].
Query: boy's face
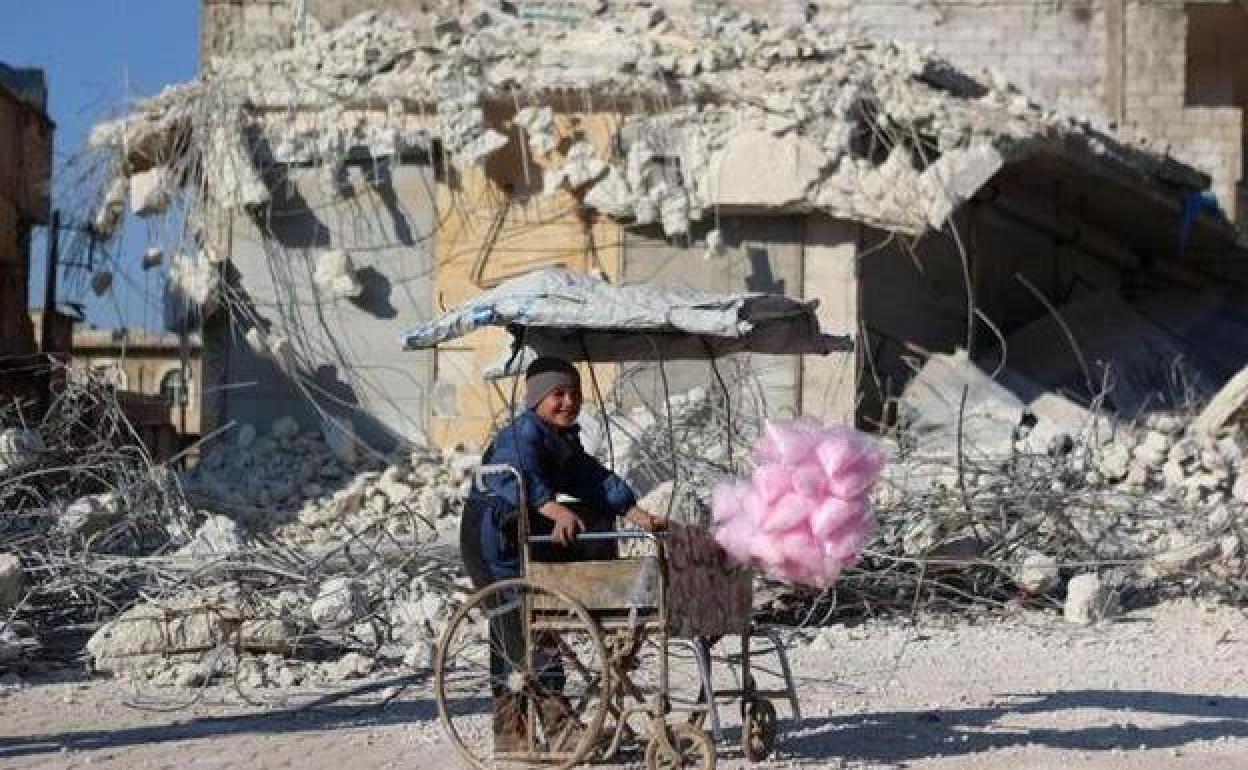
[561, 406]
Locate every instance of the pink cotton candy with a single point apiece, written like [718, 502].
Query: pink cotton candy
[808, 479]
[848, 547]
[791, 440]
[787, 512]
[754, 508]
[734, 538]
[804, 514]
[772, 482]
[726, 501]
[766, 549]
[857, 478]
[834, 513]
[837, 452]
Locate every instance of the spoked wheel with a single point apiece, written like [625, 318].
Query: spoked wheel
[694, 750]
[758, 728]
[504, 705]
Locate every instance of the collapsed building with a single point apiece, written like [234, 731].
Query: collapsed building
[1013, 278]
[374, 173]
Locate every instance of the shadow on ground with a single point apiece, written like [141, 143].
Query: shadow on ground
[294, 720]
[900, 736]
[883, 737]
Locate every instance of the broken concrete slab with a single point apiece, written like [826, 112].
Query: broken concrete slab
[1224, 407]
[932, 405]
[756, 169]
[151, 191]
[186, 625]
[955, 177]
[1113, 340]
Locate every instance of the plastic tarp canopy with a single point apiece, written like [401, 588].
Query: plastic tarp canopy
[583, 318]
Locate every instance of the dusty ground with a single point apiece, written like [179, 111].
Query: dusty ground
[1165, 688]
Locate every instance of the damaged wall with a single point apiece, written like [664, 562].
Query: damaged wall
[492, 226]
[779, 125]
[1119, 60]
[914, 294]
[382, 220]
[25, 179]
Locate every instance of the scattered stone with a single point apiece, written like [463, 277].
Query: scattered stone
[353, 665]
[340, 602]
[91, 514]
[1038, 574]
[218, 536]
[1088, 600]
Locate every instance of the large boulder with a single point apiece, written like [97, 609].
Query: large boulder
[179, 626]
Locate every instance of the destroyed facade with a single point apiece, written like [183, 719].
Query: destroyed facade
[396, 165]
[25, 195]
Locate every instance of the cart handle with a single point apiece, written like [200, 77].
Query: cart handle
[625, 535]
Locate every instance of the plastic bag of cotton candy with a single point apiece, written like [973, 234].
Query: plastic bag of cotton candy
[805, 513]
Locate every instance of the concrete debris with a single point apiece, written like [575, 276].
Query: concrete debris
[335, 275]
[581, 167]
[768, 115]
[19, 449]
[150, 191]
[539, 125]
[153, 257]
[1038, 574]
[1089, 599]
[339, 602]
[12, 583]
[112, 209]
[91, 514]
[101, 282]
[353, 665]
[190, 624]
[218, 537]
[192, 291]
[1224, 407]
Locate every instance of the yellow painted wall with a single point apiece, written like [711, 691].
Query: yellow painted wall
[475, 252]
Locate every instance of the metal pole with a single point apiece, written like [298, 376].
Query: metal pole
[184, 355]
[49, 285]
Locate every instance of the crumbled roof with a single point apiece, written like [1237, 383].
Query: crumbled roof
[794, 118]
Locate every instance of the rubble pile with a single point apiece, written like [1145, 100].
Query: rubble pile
[873, 131]
[1036, 497]
[79, 502]
[292, 484]
[314, 567]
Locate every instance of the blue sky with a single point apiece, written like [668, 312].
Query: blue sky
[98, 55]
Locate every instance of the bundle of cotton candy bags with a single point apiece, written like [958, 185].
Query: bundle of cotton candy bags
[805, 513]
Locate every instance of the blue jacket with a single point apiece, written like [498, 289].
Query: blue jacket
[551, 462]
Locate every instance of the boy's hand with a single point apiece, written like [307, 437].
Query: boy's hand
[567, 524]
[648, 521]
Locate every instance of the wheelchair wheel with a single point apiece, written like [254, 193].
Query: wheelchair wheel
[504, 703]
[758, 728]
[694, 750]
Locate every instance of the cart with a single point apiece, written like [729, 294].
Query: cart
[571, 661]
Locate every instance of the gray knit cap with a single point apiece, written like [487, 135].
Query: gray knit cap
[544, 375]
